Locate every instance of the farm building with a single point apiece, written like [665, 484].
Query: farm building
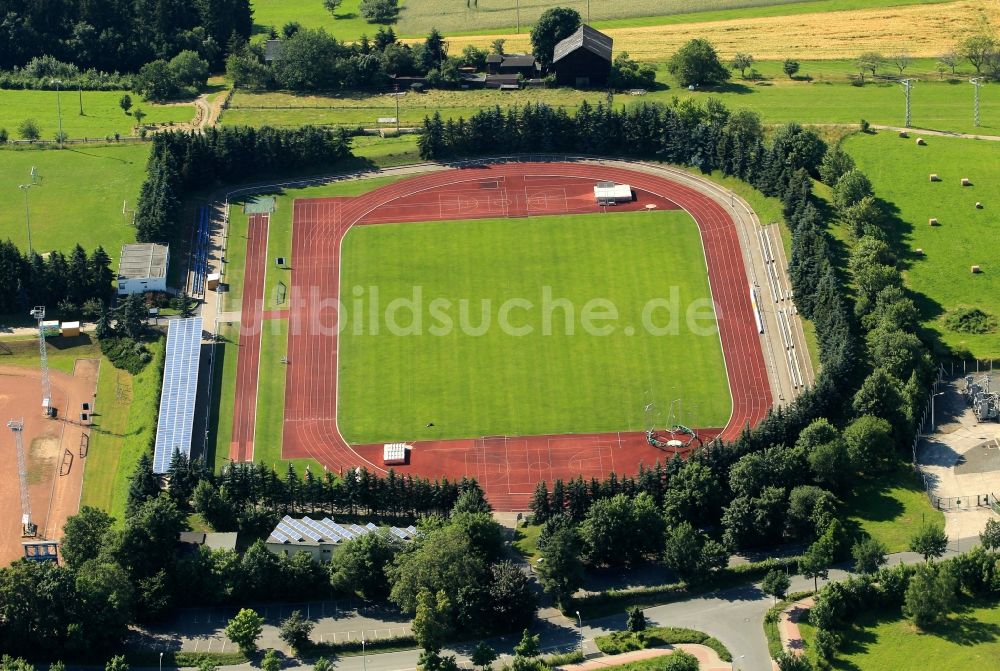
[508, 82]
[319, 538]
[513, 64]
[143, 267]
[583, 59]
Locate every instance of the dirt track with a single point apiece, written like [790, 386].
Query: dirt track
[53, 496]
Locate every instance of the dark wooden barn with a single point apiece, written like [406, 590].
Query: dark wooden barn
[583, 59]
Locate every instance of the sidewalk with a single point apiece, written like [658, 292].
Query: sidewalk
[788, 625]
[708, 659]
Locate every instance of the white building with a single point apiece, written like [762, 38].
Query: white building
[319, 538]
[143, 267]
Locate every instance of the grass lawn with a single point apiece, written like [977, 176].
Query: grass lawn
[348, 26]
[890, 508]
[886, 641]
[899, 170]
[78, 197]
[223, 395]
[124, 428]
[62, 352]
[102, 116]
[526, 541]
[935, 104]
[490, 381]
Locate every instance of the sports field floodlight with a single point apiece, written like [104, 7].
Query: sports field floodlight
[907, 85]
[579, 622]
[977, 82]
[27, 215]
[58, 82]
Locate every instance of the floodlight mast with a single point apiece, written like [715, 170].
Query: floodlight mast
[907, 85]
[977, 82]
[38, 312]
[28, 528]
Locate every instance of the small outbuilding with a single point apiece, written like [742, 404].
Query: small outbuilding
[70, 329]
[272, 50]
[583, 59]
[143, 267]
[609, 193]
[513, 64]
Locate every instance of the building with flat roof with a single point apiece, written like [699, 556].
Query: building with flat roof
[143, 267]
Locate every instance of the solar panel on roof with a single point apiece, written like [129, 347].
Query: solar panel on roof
[309, 533]
[180, 387]
[280, 537]
[371, 526]
[289, 531]
[412, 529]
[361, 531]
[399, 533]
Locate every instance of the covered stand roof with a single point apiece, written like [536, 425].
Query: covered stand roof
[143, 260]
[587, 38]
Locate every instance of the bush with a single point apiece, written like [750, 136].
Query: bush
[127, 354]
[625, 641]
[970, 320]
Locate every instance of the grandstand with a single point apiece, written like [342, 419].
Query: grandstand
[180, 388]
[199, 253]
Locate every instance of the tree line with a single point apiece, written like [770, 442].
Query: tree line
[120, 35]
[115, 573]
[73, 285]
[313, 60]
[183, 160]
[787, 478]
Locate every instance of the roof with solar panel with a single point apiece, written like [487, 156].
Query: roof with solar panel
[309, 532]
[180, 388]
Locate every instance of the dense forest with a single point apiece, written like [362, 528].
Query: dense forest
[180, 161]
[69, 284]
[120, 35]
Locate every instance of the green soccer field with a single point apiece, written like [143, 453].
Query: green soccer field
[77, 197]
[469, 381]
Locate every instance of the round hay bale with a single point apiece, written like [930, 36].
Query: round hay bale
[979, 206]
[920, 141]
[919, 251]
[934, 177]
[903, 133]
[976, 270]
[933, 222]
[966, 182]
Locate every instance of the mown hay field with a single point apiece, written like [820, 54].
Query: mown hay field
[920, 30]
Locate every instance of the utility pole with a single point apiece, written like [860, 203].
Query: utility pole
[397, 109]
[28, 528]
[81, 99]
[59, 110]
[907, 85]
[27, 216]
[39, 314]
[977, 82]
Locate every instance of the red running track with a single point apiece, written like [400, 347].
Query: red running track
[507, 467]
[251, 319]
